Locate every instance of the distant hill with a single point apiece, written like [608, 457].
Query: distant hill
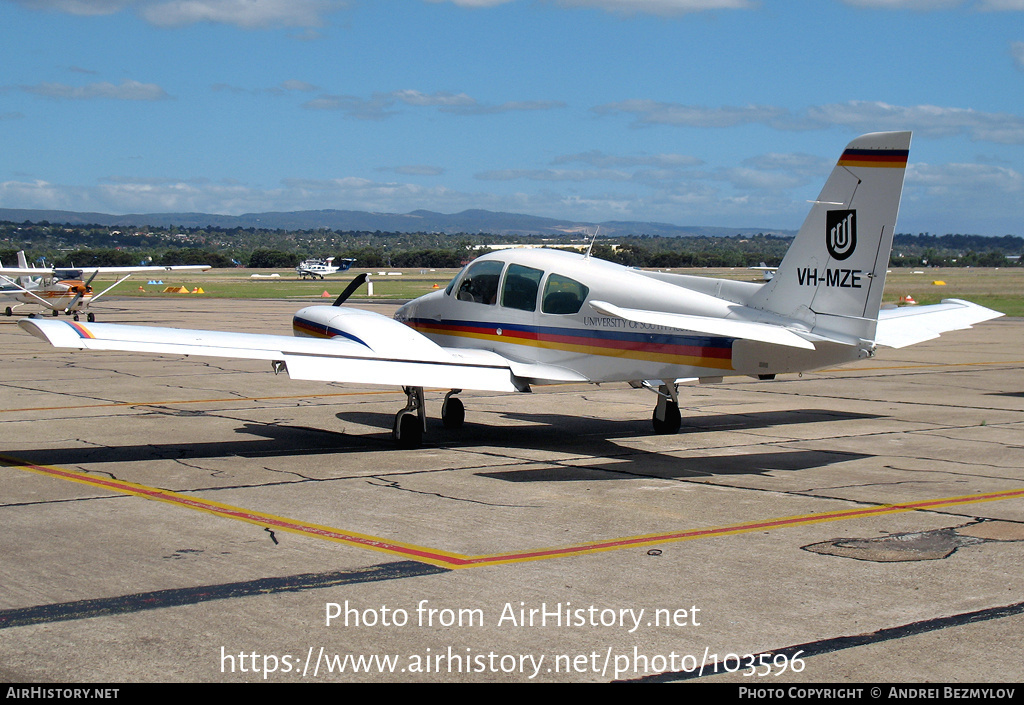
[469, 221]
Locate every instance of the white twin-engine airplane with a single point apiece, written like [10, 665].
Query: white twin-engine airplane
[518, 318]
[65, 289]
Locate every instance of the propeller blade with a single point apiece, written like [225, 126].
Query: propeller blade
[71, 306]
[350, 289]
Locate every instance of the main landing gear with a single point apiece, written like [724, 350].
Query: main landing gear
[411, 422]
[91, 317]
[666, 418]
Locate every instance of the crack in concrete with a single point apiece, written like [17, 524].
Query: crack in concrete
[394, 485]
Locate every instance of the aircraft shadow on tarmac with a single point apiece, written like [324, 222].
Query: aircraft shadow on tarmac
[592, 438]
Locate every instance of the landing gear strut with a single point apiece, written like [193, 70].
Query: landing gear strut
[411, 422]
[667, 419]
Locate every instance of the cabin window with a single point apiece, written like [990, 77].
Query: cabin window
[563, 295]
[521, 287]
[480, 284]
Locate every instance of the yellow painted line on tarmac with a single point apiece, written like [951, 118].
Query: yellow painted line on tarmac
[450, 560]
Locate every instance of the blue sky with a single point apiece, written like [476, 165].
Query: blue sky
[695, 112]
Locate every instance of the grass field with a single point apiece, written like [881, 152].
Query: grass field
[1001, 289]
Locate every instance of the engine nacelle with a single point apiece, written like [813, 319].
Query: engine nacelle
[367, 328]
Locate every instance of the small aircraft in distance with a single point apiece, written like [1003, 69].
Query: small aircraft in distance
[25, 281]
[517, 318]
[314, 268]
[769, 272]
[65, 289]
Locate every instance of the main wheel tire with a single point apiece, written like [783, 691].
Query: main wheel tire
[409, 430]
[453, 413]
[673, 420]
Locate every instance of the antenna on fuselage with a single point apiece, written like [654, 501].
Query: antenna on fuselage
[592, 241]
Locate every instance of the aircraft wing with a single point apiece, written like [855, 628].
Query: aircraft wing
[26, 272]
[86, 271]
[746, 330]
[149, 268]
[900, 327]
[400, 356]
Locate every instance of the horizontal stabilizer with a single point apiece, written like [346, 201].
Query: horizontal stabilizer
[744, 330]
[900, 327]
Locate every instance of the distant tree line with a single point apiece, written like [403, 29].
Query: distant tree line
[68, 245]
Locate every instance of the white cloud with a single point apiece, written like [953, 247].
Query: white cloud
[861, 116]
[926, 120]
[649, 112]
[1017, 51]
[795, 163]
[660, 7]
[508, 107]
[283, 88]
[78, 7]
[248, 14]
[414, 170]
[295, 85]
[474, 3]
[600, 159]
[382, 105]
[127, 90]
[966, 198]
[927, 5]
[553, 175]
[906, 4]
[998, 5]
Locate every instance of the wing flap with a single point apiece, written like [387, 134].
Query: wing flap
[729, 328]
[900, 327]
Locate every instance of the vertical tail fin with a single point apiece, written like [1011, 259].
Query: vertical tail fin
[834, 272]
[23, 264]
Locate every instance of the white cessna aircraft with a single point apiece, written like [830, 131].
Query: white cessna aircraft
[518, 318]
[314, 268]
[65, 289]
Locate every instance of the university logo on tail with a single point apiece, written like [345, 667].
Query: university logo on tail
[841, 227]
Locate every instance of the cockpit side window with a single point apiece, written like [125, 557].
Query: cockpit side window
[451, 285]
[563, 295]
[521, 287]
[480, 284]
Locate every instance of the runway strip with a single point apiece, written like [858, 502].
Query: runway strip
[444, 559]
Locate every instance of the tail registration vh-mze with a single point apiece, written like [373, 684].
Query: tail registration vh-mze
[518, 318]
